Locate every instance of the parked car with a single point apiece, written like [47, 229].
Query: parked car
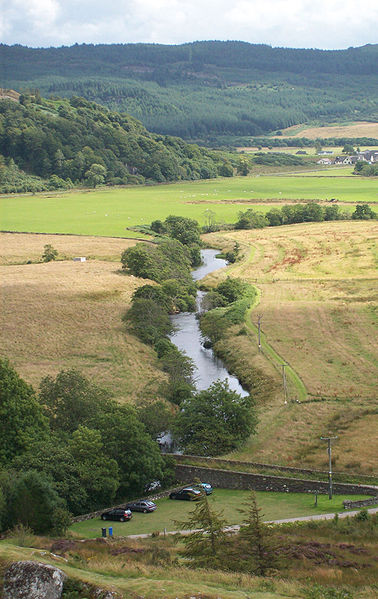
[188, 494]
[117, 514]
[203, 487]
[141, 506]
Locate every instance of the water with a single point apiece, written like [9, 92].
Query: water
[188, 337]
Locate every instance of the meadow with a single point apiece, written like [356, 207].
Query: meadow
[348, 129]
[78, 307]
[317, 287]
[110, 211]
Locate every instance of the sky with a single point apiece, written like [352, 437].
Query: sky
[326, 24]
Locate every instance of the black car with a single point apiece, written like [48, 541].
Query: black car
[144, 506]
[120, 514]
[187, 494]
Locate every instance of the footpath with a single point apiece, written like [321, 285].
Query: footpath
[236, 527]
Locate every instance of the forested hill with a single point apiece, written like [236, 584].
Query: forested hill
[79, 141]
[206, 89]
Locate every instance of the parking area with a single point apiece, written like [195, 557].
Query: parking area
[273, 506]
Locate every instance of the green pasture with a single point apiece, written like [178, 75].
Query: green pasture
[274, 506]
[109, 211]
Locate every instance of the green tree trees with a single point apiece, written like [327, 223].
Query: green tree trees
[49, 253]
[205, 545]
[21, 416]
[215, 420]
[95, 175]
[32, 502]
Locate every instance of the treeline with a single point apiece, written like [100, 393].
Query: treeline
[198, 425]
[69, 449]
[79, 142]
[205, 89]
[365, 170]
[300, 213]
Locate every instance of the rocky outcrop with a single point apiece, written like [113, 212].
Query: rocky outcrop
[32, 580]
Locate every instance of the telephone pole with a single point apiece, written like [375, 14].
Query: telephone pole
[284, 382]
[329, 441]
[259, 317]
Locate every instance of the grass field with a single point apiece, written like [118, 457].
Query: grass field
[109, 212]
[67, 314]
[274, 506]
[353, 129]
[318, 307]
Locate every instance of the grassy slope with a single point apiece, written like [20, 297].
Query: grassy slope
[66, 314]
[109, 211]
[357, 129]
[317, 286]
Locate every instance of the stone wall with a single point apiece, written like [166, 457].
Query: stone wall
[227, 479]
[350, 505]
[234, 464]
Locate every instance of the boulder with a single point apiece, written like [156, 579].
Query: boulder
[33, 580]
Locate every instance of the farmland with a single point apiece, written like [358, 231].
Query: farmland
[351, 129]
[109, 212]
[317, 303]
[78, 306]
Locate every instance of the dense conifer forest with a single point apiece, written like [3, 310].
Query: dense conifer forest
[203, 90]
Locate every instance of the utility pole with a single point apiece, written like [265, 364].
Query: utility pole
[284, 382]
[329, 441]
[259, 317]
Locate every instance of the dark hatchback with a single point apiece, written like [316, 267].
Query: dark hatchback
[122, 515]
[187, 494]
[142, 506]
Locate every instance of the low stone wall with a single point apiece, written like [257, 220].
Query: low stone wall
[228, 479]
[234, 463]
[349, 504]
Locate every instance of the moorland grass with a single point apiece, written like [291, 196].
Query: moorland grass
[110, 211]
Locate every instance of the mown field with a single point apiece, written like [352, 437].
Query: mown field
[169, 513]
[318, 307]
[352, 129]
[109, 212]
[66, 314]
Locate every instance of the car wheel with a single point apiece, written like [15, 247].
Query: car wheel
[103, 518]
[145, 511]
[122, 519]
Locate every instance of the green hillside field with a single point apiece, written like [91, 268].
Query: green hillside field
[110, 211]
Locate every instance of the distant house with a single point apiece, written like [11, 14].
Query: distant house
[325, 153]
[368, 156]
[80, 259]
[324, 161]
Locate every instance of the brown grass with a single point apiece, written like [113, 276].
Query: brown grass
[68, 315]
[318, 302]
[357, 129]
[19, 248]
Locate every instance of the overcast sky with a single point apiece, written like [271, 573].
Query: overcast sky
[327, 24]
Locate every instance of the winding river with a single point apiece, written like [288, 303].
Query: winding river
[188, 338]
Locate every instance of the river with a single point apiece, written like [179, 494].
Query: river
[188, 338]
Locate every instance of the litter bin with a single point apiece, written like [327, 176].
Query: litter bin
[103, 532]
[110, 531]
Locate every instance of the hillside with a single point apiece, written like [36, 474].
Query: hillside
[206, 89]
[78, 141]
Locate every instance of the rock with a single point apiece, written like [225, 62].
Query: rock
[33, 580]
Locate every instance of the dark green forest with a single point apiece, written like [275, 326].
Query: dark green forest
[204, 90]
[66, 142]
